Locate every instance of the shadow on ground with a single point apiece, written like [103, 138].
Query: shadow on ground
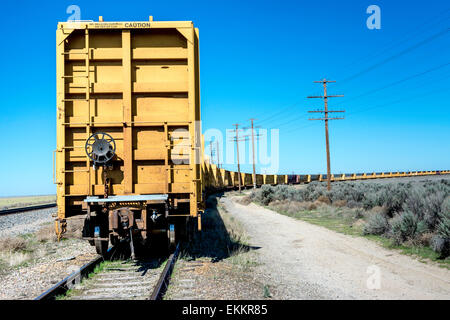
[214, 241]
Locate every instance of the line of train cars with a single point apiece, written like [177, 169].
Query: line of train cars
[216, 178]
[129, 154]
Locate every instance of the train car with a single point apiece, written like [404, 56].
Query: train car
[259, 179]
[269, 179]
[227, 177]
[247, 178]
[293, 178]
[128, 153]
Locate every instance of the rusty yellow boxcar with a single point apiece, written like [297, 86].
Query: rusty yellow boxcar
[128, 151]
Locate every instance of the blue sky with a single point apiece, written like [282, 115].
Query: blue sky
[259, 59]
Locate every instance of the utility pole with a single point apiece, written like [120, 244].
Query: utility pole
[253, 151]
[211, 152]
[217, 153]
[326, 118]
[237, 151]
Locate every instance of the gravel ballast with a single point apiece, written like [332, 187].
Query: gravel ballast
[25, 222]
[27, 272]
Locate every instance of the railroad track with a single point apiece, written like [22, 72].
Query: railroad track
[29, 208]
[140, 279]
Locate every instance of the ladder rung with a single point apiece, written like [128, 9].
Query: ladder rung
[71, 171]
[65, 100]
[74, 77]
[68, 52]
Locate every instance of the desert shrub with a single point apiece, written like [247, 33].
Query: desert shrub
[299, 196]
[392, 197]
[370, 201]
[295, 207]
[278, 205]
[433, 208]
[445, 206]
[282, 192]
[12, 244]
[414, 202]
[358, 213]
[340, 203]
[264, 195]
[339, 193]
[353, 204]
[311, 206]
[377, 224]
[378, 209]
[314, 190]
[441, 245]
[425, 239]
[443, 226]
[274, 204]
[324, 199]
[407, 226]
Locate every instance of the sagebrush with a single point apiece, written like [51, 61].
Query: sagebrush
[413, 212]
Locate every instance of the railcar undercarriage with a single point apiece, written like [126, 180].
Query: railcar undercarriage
[135, 219]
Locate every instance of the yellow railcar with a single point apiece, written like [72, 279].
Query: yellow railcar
[128, 137]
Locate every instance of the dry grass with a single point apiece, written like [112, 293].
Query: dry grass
[292, 207]
[245, 200]
[14, 202]
[425, 238]
[74, 228]
[340, 203]
[46, 233]
[15, 251]
[12, 244]
[12, 251]
[324, 199]
[12, 259]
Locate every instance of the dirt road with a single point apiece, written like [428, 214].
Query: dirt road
[303, 261]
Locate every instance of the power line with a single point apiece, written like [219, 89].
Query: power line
[292, 121]
[326, 118]
[380, 106]
[397, 41]
[409, 49]
[277, 114]
[399, 81]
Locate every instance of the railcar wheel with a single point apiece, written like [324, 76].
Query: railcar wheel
[101, 246]
[171, 238]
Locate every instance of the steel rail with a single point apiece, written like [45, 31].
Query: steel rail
[64, 285]
[68, 282]
[163, 282]
[29, 208]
